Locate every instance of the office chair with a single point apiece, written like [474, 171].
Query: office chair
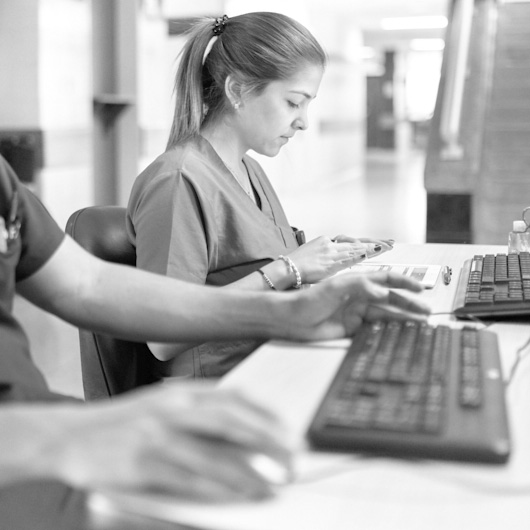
[110, 366]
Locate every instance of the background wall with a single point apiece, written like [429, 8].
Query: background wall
[47, 45]
[19, 42]
[65, 98]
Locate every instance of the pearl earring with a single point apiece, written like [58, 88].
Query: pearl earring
[236, 106]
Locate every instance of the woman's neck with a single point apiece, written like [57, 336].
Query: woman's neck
[226, 144]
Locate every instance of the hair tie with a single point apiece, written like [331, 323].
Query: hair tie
[219, 25]
[208, 49]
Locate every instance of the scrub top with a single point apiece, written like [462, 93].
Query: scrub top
[190, 219]
[28, 238]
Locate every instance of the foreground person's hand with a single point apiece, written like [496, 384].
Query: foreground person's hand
[336, 308]
[187, 440]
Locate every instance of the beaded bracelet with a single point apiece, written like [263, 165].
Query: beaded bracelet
[267, 280]
[293, 268]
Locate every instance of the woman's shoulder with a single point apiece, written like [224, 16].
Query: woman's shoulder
[171, 160]
[188, 159]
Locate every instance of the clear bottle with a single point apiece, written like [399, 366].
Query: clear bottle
[519, 237]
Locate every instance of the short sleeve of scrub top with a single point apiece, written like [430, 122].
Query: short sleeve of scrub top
[30, 246]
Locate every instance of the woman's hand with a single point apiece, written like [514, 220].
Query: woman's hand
[187, 440]
[370, 243]
[336, 308]
[322, 257]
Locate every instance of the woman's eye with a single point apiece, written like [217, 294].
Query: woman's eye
[294, 105]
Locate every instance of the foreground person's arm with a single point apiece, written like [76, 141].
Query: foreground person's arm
[137, 305]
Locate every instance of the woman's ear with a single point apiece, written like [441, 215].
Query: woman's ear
[233, 91]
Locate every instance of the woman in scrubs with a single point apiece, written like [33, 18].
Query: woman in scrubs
[204, 211]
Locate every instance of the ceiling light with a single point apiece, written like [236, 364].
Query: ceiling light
[427, 45]
[397, 23]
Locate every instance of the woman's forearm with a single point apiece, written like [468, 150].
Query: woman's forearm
[277, 272]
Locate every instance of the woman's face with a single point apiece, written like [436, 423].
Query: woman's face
[266, 121]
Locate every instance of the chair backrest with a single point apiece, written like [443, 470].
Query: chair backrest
[110, 366]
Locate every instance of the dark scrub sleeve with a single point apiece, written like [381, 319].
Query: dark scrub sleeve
[38, 238]
[40, 235]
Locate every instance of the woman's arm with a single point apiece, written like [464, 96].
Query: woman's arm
[316, 260]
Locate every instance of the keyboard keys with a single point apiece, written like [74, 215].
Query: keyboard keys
[501, 268]
[396, 380]
[497, 284]
[488, 274]
[524, 260]
[417, 389]
[470, 371]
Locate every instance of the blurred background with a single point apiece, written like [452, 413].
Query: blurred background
[419, 133]
[90, 83]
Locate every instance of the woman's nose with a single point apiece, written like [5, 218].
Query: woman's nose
[301, 123]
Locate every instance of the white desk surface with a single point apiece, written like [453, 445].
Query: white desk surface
[348, 491]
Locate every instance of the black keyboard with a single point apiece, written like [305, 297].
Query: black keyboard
[419, 390]
[494, 286]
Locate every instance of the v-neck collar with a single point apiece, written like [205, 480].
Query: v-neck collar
[254, 181]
